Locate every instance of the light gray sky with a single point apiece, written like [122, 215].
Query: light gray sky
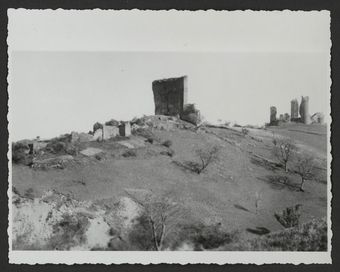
[69, 70]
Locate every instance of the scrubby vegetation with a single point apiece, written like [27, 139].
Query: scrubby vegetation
[147, 134]
[311, 236]
[129, 153]
[204, 237]
[20, 154]
[228, 177]
[289, 217]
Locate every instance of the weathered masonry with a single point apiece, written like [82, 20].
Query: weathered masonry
[170, 95]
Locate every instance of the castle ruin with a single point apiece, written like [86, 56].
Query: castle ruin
[170, 95]
[295, 110]
[304, 110]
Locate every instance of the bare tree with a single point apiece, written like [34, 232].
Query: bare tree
[163, 216]
[284, 150]
[305, 168]
[206, 156]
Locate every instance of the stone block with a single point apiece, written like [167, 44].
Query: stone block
[110, 132]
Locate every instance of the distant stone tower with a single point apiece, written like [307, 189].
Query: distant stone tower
[304, 110]
[170, 95]
[294, 110]
[273, 112]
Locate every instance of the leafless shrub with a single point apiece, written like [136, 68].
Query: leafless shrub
[284, 150]
[289, 217]
[305, 168]
[206, 157]
[162, 215]
[147, 134]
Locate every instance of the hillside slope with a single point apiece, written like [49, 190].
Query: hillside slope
[238, 190]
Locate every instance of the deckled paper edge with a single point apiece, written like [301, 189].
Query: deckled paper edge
[183, 257]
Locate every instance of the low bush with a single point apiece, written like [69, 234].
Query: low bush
[167, 143]
[62, 146]
[289, 217]
[245, 131]
[20, 154]
[204, 237]
[169, 152]
[29, 193]
[69, 232]
[100, 156]
[311, 236]
[147, 134]
[129, 153]
[140, 237]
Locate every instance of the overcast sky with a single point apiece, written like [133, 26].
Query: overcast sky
[71, 69]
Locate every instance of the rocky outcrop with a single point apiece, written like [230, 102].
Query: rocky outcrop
[191, 114]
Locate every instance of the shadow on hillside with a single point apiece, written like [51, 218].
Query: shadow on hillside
[237, 206]
[278, 182]
[263, 163]
[259, 230]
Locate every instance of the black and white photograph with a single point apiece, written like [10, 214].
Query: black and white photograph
[169, 136]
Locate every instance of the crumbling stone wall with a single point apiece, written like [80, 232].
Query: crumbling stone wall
[170, 95]
[110, 132]
[304, 110]
[318, 118]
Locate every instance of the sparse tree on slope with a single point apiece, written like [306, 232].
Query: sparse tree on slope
[305, 168]
[284, 151]
[163, 216]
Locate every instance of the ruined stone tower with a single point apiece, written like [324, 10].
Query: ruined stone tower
[273, 112]
[294, 110]
[304, 110]
[170, 95]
